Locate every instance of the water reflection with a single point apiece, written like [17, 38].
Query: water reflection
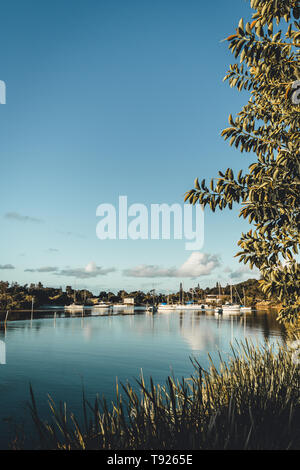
[192, 324]
[58, 352]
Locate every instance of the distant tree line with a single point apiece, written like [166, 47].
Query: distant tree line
[14, 296]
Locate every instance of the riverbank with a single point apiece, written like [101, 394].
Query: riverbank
[268, 305]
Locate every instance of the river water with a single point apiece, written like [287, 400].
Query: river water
[60, 355]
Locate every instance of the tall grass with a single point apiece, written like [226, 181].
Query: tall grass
[250, 402]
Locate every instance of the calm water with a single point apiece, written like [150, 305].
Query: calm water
[60, 356]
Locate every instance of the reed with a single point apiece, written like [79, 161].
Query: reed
[250, 402]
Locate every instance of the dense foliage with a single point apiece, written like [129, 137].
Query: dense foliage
[269, 127]
[15, 296]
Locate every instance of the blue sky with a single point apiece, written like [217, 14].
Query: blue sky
[109, 98]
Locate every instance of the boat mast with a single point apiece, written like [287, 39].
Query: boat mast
[181, 294]
[238, 295]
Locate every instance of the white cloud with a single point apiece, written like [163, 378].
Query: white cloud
[243, 271]
[89, 271]
[198, 264]
[47, 269]
[43, 269]
[149, 270]
[6, 266]
[22, 218]
[91, 267]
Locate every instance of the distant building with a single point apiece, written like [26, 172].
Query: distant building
[128, 300]
[214, 299]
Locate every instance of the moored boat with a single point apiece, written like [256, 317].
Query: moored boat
[151, 308]
[103, 305]
[74, 308]
[246, 309]
[232, 309]
[166, 307]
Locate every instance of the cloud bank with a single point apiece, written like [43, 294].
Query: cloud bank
[198, 264]
[89, 271]
[6, 266]
[241, 272]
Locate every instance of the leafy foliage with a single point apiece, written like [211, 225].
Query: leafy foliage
[268, 126]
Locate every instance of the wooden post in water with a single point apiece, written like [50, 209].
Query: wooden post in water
[32, 301]
[6, 316]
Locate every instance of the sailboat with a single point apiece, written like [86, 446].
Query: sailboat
[73, 308]
[218, 309]
[152, 308]
[162, 307]
[230, 307]
[243, 307]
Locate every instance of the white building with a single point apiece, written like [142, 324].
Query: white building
[128, 301]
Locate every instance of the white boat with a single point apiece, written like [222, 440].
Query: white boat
[231, 309]
[151, 309]
[102, 305]
[187, 307]
[166, 307]
[74, 308]
[246, 309]
[243, 307]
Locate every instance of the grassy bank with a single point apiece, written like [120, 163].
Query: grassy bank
[252, 402]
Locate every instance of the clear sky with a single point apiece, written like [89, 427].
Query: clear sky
[109, 98]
